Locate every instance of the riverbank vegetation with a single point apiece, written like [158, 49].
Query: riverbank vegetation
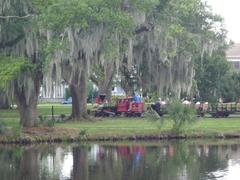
[120, 128]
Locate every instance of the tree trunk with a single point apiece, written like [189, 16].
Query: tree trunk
[105, 83]
[29, 168]
[75, 92]
[83, 94]
[106, 89]
[27, 103]
[4, 102]
[28, 114]
[79, 96]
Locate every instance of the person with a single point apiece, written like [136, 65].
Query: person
[135, 99]
[163, 102]
[220, 100]
[186, 102]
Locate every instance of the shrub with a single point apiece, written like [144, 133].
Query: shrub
[42, 119]
[181, 115]
[83, 134]
[153, 116]
[50, 123]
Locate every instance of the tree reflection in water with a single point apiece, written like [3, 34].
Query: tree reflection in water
[162, 161]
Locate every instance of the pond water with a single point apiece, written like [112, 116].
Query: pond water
[181, 160]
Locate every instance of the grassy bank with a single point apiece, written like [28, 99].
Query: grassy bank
[118, 127]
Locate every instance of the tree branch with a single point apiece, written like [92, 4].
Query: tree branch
[16, 17]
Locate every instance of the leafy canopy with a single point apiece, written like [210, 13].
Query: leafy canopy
[61, 14]
[10, 68]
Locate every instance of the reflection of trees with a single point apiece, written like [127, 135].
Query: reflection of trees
[175, 161]
[51, 162]
[29, 165]
[172, 161]
[80, 163]
[124, 162]
[215, 160]
[10, 162]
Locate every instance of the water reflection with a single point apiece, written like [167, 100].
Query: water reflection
[161, 161]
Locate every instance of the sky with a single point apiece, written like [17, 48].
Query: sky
[230, 11]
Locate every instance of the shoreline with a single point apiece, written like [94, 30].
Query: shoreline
[30, 138]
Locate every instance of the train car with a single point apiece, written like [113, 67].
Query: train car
[217, 110]
[162, 109]
[223, 109]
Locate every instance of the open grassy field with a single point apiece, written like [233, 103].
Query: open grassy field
[43, 109]
[122, 126]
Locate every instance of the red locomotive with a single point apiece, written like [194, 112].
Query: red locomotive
[126, 106]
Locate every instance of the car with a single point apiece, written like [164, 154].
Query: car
[68, 101]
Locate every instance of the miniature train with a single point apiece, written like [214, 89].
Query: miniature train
[217, 110]
[128, 108]
[123, 106]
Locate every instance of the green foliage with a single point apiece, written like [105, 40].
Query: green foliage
[211, 75]
[17, 131]
[92, 92]
[230, 87]
[181, 115]
[50, 48]
[45, 121]
[114, 99]
[42, 119]
[10, 68]
[61, 14]
[83, 134]
[51, 123]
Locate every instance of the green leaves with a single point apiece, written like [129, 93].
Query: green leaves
[10, 67]
[61, 14]
[210, 75]
[181, 115]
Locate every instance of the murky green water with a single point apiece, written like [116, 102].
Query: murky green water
[126, 161]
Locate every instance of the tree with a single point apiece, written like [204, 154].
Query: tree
[19, 38]
[4, 100]
[88, 26]
[212, 75]
[166, 42]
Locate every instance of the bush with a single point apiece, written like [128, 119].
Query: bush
[83, 134]
[181, 115]
[42, 119]
[51, 123]
[114, 99]
[153, 116]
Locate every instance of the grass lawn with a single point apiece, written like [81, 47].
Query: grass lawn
[43, 109]
[128, 126]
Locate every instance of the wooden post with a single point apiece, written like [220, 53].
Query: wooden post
[52, 113]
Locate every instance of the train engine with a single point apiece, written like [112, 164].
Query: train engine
[124, 106]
